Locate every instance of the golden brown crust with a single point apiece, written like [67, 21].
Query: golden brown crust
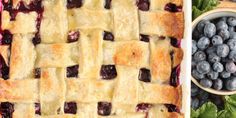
[4, 52]
[162, 23]
[177, 57]
[132, 53]
[160, 60]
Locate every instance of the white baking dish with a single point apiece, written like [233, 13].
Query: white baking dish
[185, 73]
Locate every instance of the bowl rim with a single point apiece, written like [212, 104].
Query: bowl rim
[194, 23]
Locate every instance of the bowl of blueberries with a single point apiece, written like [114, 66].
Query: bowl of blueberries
[214, 51]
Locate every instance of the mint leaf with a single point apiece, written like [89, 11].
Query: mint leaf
[230, 103]
[223, 114]
[207, 110]
[194, 114]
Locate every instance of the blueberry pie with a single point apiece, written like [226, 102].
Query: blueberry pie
[91, 58]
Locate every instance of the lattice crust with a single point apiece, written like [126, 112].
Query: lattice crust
[54, 54]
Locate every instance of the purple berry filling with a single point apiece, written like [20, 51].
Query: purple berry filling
[37, 108]
[108, 36]
[108, 72]
[172, 108]
[73, 36]
[70, 107]
[74, 4]
[173, 8]
[144, 38]
[144, 75]
[174, 78]
[6, 109]
[143, 5]
[104, 108]
[72, 71]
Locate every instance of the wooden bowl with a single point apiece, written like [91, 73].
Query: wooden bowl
[221, 12]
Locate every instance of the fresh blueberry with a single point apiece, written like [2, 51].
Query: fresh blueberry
[222, 50]
[196, 34]
[230, 84]
[213, 58]
[197, 75]
[194, 46]
[212, 75]
[209, 30]
[232, 35]
[203, 43]
[211, 50]
[224, 34]
[203, 95]
[231, 21]
[218, 84]
[195, 103]
[225, 74]
[232, 55]
[201, 25]
[203, 67]
[194, 90]
[206, 83]
[230, 67]
[223, 19]
[218, 67]
[199, 56]
[193, 64]
[221, 25]
[232, 44]
[231, 29]
[216, 40]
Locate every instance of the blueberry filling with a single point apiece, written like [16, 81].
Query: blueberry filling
[144, 38]
[174, 78]
[36, 40]
[70, 107]
[6, 109]
[7, 37]
[74, 4]
[104, 108]
[108, 72]
[7, 5]
[72, 71]
[37, 108]
[107, 4]
[175, 42]
[173, 8]
[37, 72]
[143, 5]
[108, 36]
[4, 69]
[172, 108]
[144, 75]
[73, 36]
[35, 5]
[143, 107]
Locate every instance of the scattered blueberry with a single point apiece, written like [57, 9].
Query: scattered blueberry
[209, 30]
[224, 34]
[231, 29]
[232, 44]
[211, 50]
[199, 56]
[218, 67]
[216, 40]
[212, 75]
[232, 55]
[201, 25]
[222, 50]
[213, 58]
[231, 84]
[232, 35]
[195, 103]
[197, 75]
[206, 83]
[203, 43]
[225, 74]
[231, 21]
[230, 67]
[194, 90]
[194, 46]
[221, 25]
[203, 67]
[218, 84]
